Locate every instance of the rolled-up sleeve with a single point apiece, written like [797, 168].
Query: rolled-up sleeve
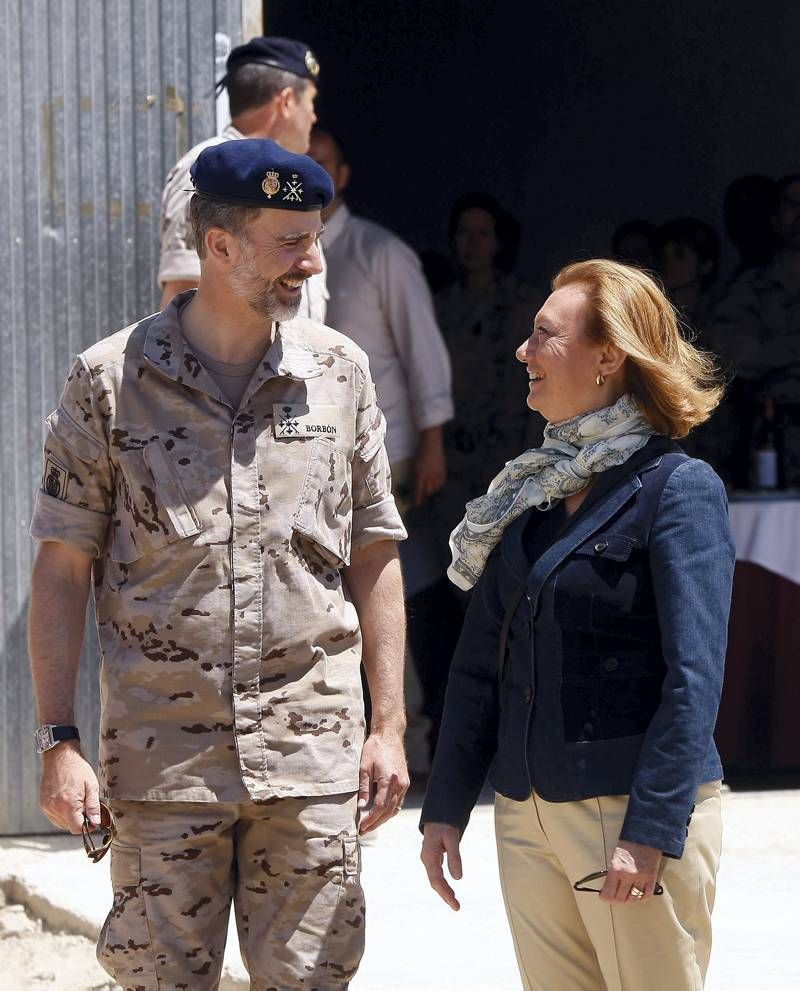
[73, 504]
[375, 515]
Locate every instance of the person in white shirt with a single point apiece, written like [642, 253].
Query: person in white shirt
[379, 297]
[272, 86]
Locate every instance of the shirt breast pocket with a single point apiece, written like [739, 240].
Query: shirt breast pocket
[152, 509]
[324, 514]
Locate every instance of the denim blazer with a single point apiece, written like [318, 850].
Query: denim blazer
[613, 671]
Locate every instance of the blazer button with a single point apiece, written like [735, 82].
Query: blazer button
[611, 664]
[527, 693]
[600, 546]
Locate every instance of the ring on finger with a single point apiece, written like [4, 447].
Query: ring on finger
[636, 892]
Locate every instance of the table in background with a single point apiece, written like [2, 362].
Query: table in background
[759, 721]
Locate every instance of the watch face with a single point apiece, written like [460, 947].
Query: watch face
[44, 738]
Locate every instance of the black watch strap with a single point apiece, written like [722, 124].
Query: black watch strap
[48, 735]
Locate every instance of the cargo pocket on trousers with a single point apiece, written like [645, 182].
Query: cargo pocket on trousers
[123, 949]
[345, 943]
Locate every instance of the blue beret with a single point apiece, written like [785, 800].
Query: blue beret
[258, 172]
[283, 53]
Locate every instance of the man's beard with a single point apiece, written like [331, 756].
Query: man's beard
[260, 294]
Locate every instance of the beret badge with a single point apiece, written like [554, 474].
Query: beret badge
[311, 64]
[271, 184]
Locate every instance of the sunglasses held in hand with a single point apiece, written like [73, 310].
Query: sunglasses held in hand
[108, 830]
[585, 882]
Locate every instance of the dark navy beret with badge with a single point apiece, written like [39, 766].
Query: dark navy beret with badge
[258, 172]
[282, 53]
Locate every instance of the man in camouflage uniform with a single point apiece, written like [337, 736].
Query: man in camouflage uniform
[240, 531]
[272, 87]
[756, 332]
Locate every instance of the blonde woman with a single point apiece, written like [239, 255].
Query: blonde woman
[588, 676]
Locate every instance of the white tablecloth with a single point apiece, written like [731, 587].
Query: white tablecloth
[767, 532]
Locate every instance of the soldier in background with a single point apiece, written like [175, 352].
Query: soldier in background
[219, 470]
[272, 87]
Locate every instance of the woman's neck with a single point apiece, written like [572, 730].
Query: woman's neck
[572, 503]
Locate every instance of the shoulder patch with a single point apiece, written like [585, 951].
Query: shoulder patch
[56, 479]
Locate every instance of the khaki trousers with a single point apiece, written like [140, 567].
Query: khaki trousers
[291, 866]
[567, 940]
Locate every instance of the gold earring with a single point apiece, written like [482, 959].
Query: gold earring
[600, 380]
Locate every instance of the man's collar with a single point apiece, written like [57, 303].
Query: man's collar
[335, 224]
[166, 349]
[164, 345]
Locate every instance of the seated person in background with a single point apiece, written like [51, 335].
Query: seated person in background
[756, 331]
[748, 208]
[632, 242]
[687, 259]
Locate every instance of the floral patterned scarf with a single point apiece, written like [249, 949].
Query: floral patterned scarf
[571, 452]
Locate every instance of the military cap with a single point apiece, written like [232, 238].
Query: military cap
[282, 53]
[258, 172]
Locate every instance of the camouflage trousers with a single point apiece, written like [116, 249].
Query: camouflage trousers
[291, 867]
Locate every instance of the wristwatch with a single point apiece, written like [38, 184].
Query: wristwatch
[48, 736]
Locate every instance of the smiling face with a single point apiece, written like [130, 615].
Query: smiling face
[563, 361]
[270, 263]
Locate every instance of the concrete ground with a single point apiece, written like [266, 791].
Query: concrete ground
[413, 940]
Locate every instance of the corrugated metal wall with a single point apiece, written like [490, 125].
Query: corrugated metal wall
[101, 98]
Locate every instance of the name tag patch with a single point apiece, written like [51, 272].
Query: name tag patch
[55, 479]
[297, 421]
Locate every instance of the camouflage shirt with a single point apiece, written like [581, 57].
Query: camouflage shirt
[230, 647]
[179, 261]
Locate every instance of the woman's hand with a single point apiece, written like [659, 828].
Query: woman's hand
[440, 839]
[632, 866]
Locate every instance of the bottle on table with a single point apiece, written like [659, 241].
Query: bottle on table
[766, 457]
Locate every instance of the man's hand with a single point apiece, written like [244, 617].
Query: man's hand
[430, 466]
[632, 865]
[383, 778]
[69, 788]
[440, 839]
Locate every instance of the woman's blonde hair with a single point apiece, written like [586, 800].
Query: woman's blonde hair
[677, 385]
